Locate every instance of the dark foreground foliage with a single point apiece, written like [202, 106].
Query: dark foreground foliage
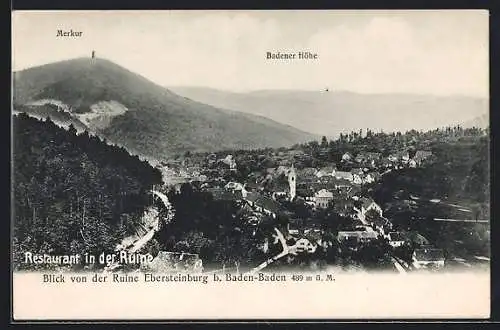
[73, 194]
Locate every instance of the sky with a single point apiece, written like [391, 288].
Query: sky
[424, 52]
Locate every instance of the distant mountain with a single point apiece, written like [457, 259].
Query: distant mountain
[130, 110]
[333, 112]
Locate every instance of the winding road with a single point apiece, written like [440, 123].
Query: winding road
[138, 244]
[286, 251]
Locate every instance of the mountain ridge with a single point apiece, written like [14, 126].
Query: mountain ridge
[146, 117]
[333, 112]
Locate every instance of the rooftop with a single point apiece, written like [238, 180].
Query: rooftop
[343, 175]
[429, 254]
[268, 204]
[223, 194]
[397, 236]
[323, 193]
[366, 202]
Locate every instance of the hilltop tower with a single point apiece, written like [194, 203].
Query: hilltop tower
[93, 54]
[292, 181]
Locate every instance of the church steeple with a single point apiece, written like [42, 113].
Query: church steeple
[292, 182]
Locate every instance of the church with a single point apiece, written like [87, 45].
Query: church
[292, 182]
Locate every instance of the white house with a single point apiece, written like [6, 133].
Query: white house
[347, 156]
[304, 245]
[323, 198]
[230, 162]
[367, 204]
[236, 186]
[357, 179]
[343, 175]
[428, 258]
[396, 239]
[325, 171]
[369, 178]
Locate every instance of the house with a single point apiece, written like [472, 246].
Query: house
[396, 239]
[353, 238]
[343, 184]
[178, 262]
[368, 157]
[263, 204]
[417, 239]
[370, 178]
[381, 224]
[236, 187]
[304, 245]
[281, 169]
[428, 257]
[367, 204]
[403, 156]
[325, 171]
[326, 182]
[229, 161]
[360, 158]
[358, 175]
[280, 188]
[344, 207]
[233, 186]
[305, 192]
[367, 236]
[212, 158]
[421, 156]
[343, 175]
[323, 198]
[348, 237]
[358, 171]
[349, 192]
[361, 227]
[307, 172]
[347, 157]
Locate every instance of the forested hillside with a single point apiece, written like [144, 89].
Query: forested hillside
[144, 117]
[73, 193]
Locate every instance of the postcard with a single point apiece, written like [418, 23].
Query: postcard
[250, 165]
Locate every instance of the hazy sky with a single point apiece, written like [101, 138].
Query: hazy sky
[431, 52]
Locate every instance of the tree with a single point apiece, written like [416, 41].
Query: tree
[324, 142]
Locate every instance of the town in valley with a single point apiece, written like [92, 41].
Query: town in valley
[342, 203]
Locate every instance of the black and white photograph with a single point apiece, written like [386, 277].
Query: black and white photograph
[250, 164]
